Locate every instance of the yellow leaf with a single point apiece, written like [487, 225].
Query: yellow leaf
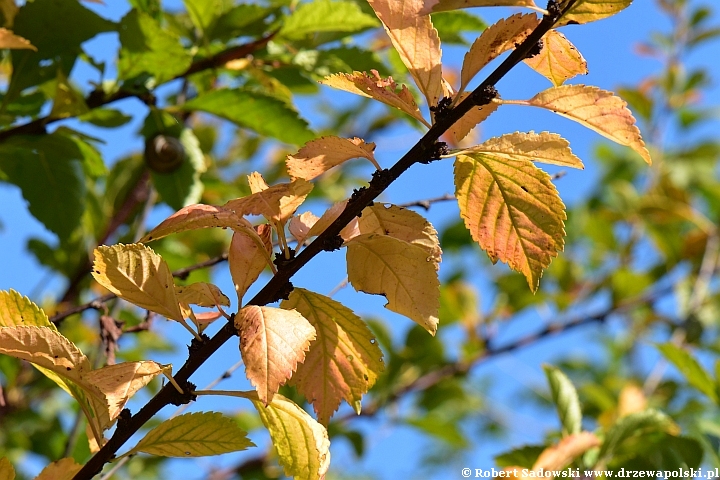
[121, 381]
[568, 449]
[598, 110]
[585, 11]
[416, 41]
[196, 216]
[542, 147]
[9, 40]
[302, 444]
[383, 90]
[63, 469]
[471, 119]
[402, 224]
[494, 40]
[202, 294]
[512, 210]
[272, 342]
[344, 361]
[632, 399]
[402, 272]
[300, 226]
[257, 183]
[320, 155]
[139, 275]
[17, 310]
[246, 260]
[194, 435]
[432, 6]
[558, 59]
[276, 203]
[7, 471]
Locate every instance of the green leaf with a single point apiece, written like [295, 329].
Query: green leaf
[348, 60]
[264, 114]
[68, 101]
[691, 369]
[194, 435]
[635, 424]
[524, 456]
[241, 21]
[203, 13]
[147, 48]
[183, 186]
[47, 168]
[445, 429]
[326, 16]
[565, 399]
[106, 118]
[17, 310]
[451, 25]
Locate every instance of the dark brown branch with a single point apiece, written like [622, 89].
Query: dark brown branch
[424, 151]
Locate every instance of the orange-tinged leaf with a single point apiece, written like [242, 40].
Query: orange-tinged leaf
[432, 6]
[632, 400]
[9, 40]
[194, 435]
[63, 469]
[202, 294]
[272, 343]
[344, 361]
[121, 381]
[383, 90]
[320, 155]
[196, 216]
[568, 449]
[330, 215]
[558, 60]
[246, 260]
[471, 119]
[416, 41]
[300, 225]
[7, 471]
[302, 444]
[402, 272]
[402, 224]
[512, 210]
[17, 310]
[596, 109]
[585, 11]
[276, 203]
[493, 41]
[542, 147]
[139, 275]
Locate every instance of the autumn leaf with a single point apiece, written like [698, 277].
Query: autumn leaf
[471, 119]
[416, 41]
[512, 210]
[257, 183]
[330, 215]
[300, 226]
[272, 343]
[139, 275]
[432, 6]
[494, 40]
[302, 444]
[320, 155]
[276, 203]
[246, 259]
[402, 272]
[17, 310]
[596, 109]
[586, 11]
[631, 400]
[344, 361]
[194, 435]
[7, 471]
[542, 147]
[563, 453]
[197, 216]
[558, 59]
[383, 90]
[121, 381]
[63, 469]
[202, 294]
[11, 41]
[402, 224]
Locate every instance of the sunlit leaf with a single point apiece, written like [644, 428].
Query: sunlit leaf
[471, 119]
[344, 361]
[7, 471]
[202, 294]
[194, 435]
[512, 210]
[445, 5]
[330, 215]
[11, 41]
[246, 260]
[691, 369]
[558, 60]
[63, 469]
[139, 275]
[634, 425]
[565, 399]
[272, 342]
[276, 203]
[585, 11]
[326, 16]
[631, 400]
[563, 453]
[542, 147]
[17, 310]
[300, 225]
[197, 216]
[402, 272]
[320, 155]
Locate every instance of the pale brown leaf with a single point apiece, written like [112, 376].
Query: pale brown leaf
[596, 109]
[417, 42]
[300, 225]
[402, 272]
[246, 260]
[320, 155]
[330, 215]
[197, 216]
[63, 469]
[447, 5]
[383, 90]
[493, 41]
[276, 203]
[471, 119]
[558, 60]
[257, 183]
[542, 147]
[344, 361]
[585, 11]
[11, 41]
[559, 456]
[139, 275]
[202, 294]
[272, 343]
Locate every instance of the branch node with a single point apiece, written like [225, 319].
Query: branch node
[331, 244]
[283, 292]
[381, 179]
[554, 10]
[357, 192]
[535, 50]
[281, 262]
[177, 398]
[485, 95]
[442, 108]
[124, 419]
[196, 344]
[438, 150]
